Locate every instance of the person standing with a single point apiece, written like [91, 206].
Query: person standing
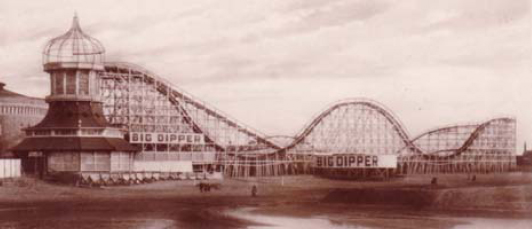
[254, 191]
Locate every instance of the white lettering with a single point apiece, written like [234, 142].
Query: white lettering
[356, 161]
[163, 138]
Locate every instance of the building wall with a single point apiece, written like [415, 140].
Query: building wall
[9, 168]
[16, 116]
[90, 162]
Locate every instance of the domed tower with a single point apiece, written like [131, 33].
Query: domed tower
[74, 137]
[74, 61]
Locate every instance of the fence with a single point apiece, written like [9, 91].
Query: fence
[9, 168]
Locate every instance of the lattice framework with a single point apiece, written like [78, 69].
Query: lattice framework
[139, 101]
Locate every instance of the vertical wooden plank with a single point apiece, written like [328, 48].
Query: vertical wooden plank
[2, 168]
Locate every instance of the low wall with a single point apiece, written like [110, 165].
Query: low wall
[9, 168]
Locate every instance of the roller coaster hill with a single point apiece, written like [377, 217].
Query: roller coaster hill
[168, 124]
[159, 117]
[361, 138]
[172, 135]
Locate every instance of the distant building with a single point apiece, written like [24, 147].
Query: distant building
[17, 112]
[525, 160]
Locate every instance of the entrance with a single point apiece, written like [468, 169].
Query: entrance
[34, 164]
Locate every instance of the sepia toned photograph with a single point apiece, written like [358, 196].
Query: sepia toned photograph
[266, 114]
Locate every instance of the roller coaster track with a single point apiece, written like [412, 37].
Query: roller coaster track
[468, 141]
[177, 95]
[440, 129]
[390, 117]
[183, 102]
[399, 129]
[480, 129]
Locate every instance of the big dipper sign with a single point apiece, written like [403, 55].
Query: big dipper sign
[356, 161]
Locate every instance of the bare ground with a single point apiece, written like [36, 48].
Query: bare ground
[370, 203]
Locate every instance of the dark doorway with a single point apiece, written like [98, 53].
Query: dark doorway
[34, 166]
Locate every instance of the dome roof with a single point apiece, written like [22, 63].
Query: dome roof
[9, 97]
[74, 47]
[7, 93]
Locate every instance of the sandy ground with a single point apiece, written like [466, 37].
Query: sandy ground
[27, 203]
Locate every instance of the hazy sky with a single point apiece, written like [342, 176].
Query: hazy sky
[274, 64]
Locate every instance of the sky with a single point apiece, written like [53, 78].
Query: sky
[276, 64]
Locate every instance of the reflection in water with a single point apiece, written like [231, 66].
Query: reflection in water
[90, 223]
[278, 222]
[95, 219]
[155, 224]
[478, 223]
[287, 222]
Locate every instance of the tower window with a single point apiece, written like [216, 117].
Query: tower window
[71, 82]
[84, 82]
[59, 82]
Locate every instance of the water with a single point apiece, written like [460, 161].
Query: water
[479, 223]
[387, 221]
[82, 223]
[26, 218]
[277, 222]
[319, 223]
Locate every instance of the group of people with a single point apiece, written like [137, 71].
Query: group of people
[472, 178]
[206, 187]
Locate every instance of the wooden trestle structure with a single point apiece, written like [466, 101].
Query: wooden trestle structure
[268, 165]
[365, 127]
[141, 102]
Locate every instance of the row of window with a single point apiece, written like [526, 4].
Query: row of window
[65, 132]
[19, 110]
[176, 147]
[72, 82]
[89, 161]
[176, 156]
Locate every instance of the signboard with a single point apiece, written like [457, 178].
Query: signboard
[175, 138]
[355, 161]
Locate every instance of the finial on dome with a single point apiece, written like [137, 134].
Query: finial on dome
[75, 21]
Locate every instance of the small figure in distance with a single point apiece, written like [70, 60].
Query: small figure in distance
[201, 186]
[434, 181]
[474, 178]
[254, 191]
